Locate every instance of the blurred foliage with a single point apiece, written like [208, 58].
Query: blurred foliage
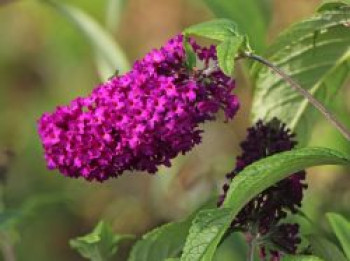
[100, 245]
[242, 11]
[110, 56]
[45, 61]
[341, 228]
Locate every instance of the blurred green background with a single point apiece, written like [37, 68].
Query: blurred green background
[45, 61]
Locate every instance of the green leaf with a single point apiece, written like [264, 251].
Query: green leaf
[227, 52]
[314, 52]
[302, 258]
[164, 242]
[341, 228]
[206, 231]
[333, 4]
[191, 57]
[225, 31]
[114, 9]
[242, 11]
[161, 243]
[11, 218]
[109, 52]
[100, 245]
[325, 249]
[210, 226]
[218, 29]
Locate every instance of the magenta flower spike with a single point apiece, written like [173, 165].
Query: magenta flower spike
[140, 120]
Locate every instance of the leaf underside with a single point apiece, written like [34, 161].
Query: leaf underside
[314, 52]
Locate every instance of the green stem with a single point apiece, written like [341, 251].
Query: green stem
[319, 106]
[251, 250]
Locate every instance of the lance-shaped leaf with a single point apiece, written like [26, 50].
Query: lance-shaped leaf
[111, 56]
[210, 226]
[314, 52]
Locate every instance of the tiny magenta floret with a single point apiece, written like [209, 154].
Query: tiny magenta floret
[140, 120]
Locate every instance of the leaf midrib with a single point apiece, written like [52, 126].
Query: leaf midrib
[305, 103]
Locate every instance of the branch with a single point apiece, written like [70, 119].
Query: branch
[319, 106]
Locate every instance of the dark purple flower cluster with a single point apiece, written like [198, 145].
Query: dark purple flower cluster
[266, 210]
[140, 120]
[285, 238]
